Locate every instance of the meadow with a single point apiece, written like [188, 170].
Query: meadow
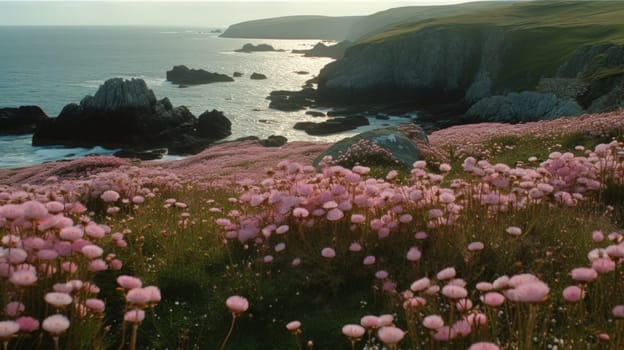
[505, 241]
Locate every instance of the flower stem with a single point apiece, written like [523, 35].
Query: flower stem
[133, 337]
[56, 343]
[229, 332]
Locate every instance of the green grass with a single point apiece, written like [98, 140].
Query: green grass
[539, 35]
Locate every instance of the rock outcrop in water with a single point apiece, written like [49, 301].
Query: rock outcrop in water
[182, 75]
[126, 114]
[22, 120]
[335, 51]
[249, 48]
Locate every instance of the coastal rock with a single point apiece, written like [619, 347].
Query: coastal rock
[292, 100]
[182, 75]
[249, 48]
[237, 74]
[335, 51]
[214, 125]
[151, 154]
[274, 141]
[257, 76]
[22, 120]
[315, 113]
[402, 148]
[522, 107]
[332, 126]
[126, 114]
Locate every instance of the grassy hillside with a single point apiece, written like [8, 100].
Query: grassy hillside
[539, 36]
[293, 27]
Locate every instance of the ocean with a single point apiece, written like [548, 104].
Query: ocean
[53, 66]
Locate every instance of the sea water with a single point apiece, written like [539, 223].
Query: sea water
[53, 66]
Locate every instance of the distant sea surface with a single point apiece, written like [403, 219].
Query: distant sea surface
[53, 66]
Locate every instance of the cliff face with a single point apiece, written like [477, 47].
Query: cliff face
[434, 65]
[293, 27]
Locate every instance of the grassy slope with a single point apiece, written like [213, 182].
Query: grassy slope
[293, 27]
[541, 35]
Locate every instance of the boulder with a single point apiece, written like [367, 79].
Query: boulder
[402, 147]
[151, 154]
[257, 76]
[214, 125]
[126, 114]
[22, 120]
[292, 100]
[274, 141]
[522, 107]
[182, 75]
[249, 48]
[315, 113]
[332, 126]
[237, 74]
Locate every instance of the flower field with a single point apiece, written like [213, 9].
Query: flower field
[506, 241]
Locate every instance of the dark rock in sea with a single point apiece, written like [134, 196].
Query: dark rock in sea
[315, 113]
[184, 76]
[332, 126]
[402, 147]
[22, 120]
[249, 48]
[274, 141]
[292, 100]
[126, 114]
[237, 74]
[257, 76]
[216, 31]
[214, 125]
[151, 154]
[381, 116]
[321, 50]
[302, 72]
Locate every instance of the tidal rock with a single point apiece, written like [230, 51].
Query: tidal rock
[402, 148]
[315, 113]
[522, 107]
[237, 74]
[257, 76]
[214, 125]
[126, 114]
[249, 48]
[302, 72]
[292, 100]
[182, 75]
[274, 141]
[22, 120]
[332, 126]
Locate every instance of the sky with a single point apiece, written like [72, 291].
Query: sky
[196, 13]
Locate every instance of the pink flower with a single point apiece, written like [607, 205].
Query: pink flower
[8, 329]
[353, 331]
[92, 251]
[11, 211]
[444, 333]
[134, 316]
[433, 322]
[55, 324]
[128, 282]
[58, 300]
[71, 233]
[14, 308]
[34, 210]
[23, 278]
[603, 265]
[584, 274]
[420, 284]
[138, 296]
[483, 346]
[493, 299]
[390, 335]
[281, 230]
[328, 253]
[531, 292]
[462, 328]
[446, 274]
[369, 260]
[355, 247]
[96, 305]
[413, 254]
[573, 294]
[475, 246]
[464, 305]
[237, 304]
[618, 311]
[514, 231]
[381, 274]
[335, 214]
[454, 292]
[27, 324]
[301, 213]
[293, 326]
[138, 199]
[97, 265]
[597, 236]
[357, 218]
[109, 196]
[370, 322]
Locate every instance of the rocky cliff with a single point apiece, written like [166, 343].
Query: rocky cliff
[570, 57]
